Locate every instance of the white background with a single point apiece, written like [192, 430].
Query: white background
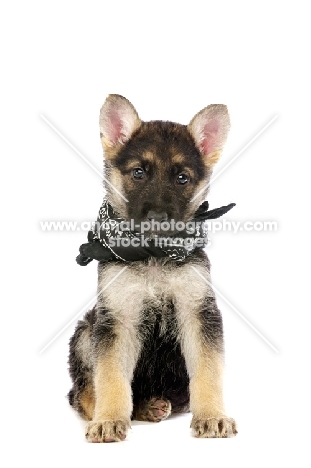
[170, 59]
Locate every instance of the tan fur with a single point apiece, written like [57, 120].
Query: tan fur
[110, 152]
[112, 389]
[204, 364]
[87, 401]
[148, 157]
[178, 159]
[114, 368]
[132, 164]
[206, 384]
[117, 202]
[193, 206]
[213, 158]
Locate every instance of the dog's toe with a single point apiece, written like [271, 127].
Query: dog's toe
[106, 431]
[154, 410]
[213, 427]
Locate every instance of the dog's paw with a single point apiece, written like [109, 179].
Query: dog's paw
[154, 410]
[106, 431]
[213, 427]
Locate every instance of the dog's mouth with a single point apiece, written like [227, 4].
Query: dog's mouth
[153, 229]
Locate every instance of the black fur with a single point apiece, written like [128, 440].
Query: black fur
[103, 335]
[161, 369]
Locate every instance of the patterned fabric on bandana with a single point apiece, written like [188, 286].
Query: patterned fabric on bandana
[111, 238]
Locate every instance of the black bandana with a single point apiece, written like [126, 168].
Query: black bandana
[112, 239]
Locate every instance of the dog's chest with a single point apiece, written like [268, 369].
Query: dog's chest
[129, 289]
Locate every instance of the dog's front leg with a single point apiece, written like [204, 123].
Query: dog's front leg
[115, 349]
[202, 345]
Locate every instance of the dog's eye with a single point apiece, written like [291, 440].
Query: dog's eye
[182, 179]
[138, 173]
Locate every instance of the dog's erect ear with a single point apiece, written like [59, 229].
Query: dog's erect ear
[118, 120]
[210, 128]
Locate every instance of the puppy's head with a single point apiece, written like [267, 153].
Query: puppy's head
[159, 167]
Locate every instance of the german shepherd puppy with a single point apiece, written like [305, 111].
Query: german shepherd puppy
[153, 344]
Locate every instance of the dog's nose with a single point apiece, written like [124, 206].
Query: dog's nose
[160, 217]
